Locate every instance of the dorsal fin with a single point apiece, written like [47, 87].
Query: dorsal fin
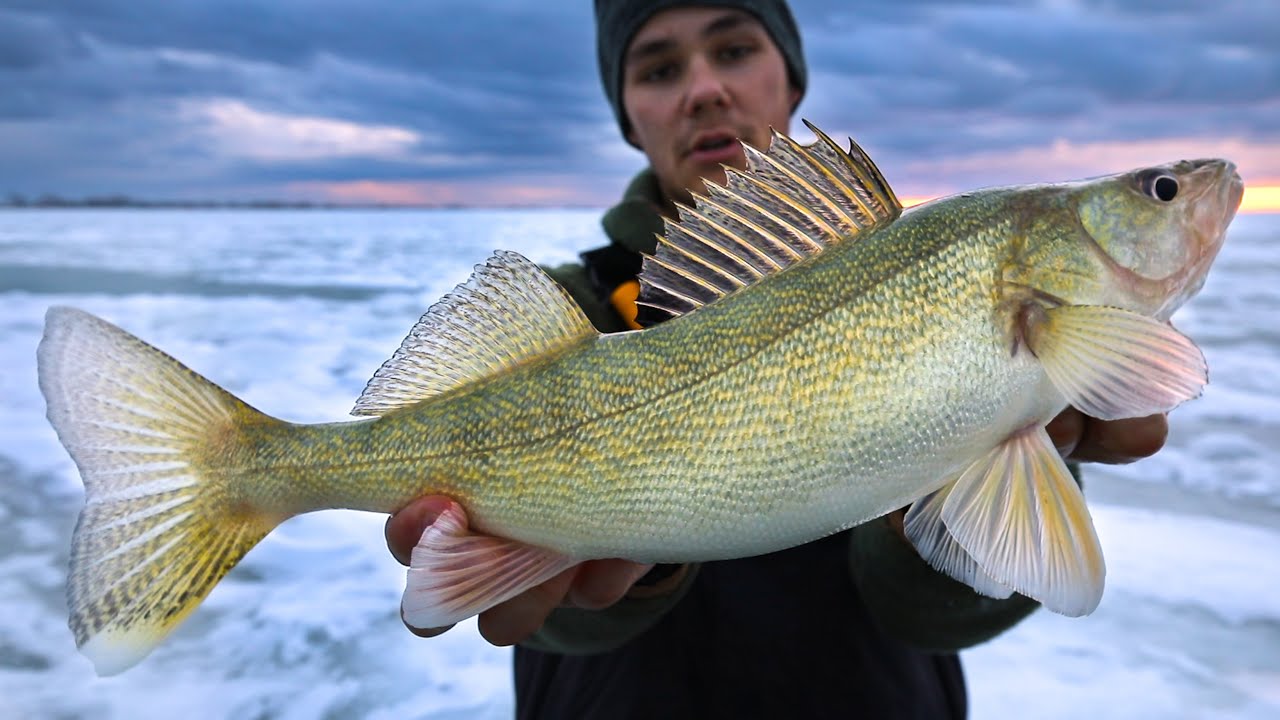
[510, 311]
[790, 203]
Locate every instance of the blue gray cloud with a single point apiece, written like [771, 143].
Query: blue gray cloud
[187, 99]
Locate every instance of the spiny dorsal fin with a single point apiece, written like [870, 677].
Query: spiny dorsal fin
[508, 312]
[791, 202]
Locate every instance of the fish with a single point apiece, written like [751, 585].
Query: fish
[828, 357]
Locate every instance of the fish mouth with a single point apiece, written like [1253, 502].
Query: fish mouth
[1211, 190]
[1216, 191]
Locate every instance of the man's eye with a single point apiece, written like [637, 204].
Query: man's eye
[736, 52]
[659, 73]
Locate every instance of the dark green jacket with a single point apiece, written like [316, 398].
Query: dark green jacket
[860, 605]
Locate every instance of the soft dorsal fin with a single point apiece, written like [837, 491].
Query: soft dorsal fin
[790, 203]
[508, 312]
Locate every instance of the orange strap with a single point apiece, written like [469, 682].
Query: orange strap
[623, 299]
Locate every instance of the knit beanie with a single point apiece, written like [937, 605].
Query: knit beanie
[618, 20]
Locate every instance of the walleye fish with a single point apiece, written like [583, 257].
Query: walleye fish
[832, 358]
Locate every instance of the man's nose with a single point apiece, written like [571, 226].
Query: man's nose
[705, 88]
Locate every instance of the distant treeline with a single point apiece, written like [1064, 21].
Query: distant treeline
[124, 201]
[16, 200]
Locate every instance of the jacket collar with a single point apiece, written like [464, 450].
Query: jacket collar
[636, 221]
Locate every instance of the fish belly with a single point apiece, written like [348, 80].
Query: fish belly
[770, 455]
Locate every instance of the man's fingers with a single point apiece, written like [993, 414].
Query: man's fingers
[510, 622]
[596, 584]
[602, 583]
[1116, 442]
[1065, 431]
[403, 530]
[405, 527]
[1081, 438]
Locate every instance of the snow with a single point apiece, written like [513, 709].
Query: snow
[294, 312]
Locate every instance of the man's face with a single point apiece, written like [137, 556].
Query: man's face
[694, 81]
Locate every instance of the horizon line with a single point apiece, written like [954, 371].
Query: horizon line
[1257, 200]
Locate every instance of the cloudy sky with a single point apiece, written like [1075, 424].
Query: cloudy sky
[498, 102]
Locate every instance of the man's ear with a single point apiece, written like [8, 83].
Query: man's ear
[631, 137]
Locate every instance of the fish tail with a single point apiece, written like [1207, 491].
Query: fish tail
[165, 517]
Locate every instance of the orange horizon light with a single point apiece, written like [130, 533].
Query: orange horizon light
[1261, 199]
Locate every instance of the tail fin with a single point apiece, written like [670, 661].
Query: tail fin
[161, 523]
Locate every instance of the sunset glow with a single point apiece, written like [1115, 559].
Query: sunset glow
[1261, 199]
[527, 192]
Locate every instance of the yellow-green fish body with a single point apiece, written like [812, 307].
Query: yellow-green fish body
[858, 362]
[669, 444]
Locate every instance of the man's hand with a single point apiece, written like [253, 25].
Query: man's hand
[1081, 438]
[594, 584]
[597, 584]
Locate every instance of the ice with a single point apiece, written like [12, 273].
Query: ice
[295, 310]
[1189, 627]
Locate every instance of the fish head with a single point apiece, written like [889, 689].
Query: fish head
[1155, 231]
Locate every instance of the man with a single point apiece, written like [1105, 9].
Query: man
[853, 625]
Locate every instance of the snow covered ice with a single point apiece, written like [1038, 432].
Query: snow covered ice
[294, 311]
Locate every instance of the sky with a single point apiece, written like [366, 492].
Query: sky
[498, 102]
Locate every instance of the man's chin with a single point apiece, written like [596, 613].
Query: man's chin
[711, 173]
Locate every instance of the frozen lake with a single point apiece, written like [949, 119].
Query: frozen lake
[293, 311]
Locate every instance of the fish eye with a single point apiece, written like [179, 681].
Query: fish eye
[1159, 185]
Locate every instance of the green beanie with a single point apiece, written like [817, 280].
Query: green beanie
[618, 20]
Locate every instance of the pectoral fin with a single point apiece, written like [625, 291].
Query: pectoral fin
[929, 535]
[456, 573]
[1020, 515]
[1112, 363]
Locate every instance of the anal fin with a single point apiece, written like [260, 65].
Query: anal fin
[931, 539]
[456, 573]
[1021, 516]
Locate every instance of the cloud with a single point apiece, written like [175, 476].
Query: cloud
[241, 131]
[28, 41]
[1097, 67]
[205, 119]
[1063, 160]
[249, 96]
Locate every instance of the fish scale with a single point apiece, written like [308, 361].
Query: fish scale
[830, 359]
[840, 314]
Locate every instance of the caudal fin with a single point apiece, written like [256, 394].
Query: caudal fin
[161, 523]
